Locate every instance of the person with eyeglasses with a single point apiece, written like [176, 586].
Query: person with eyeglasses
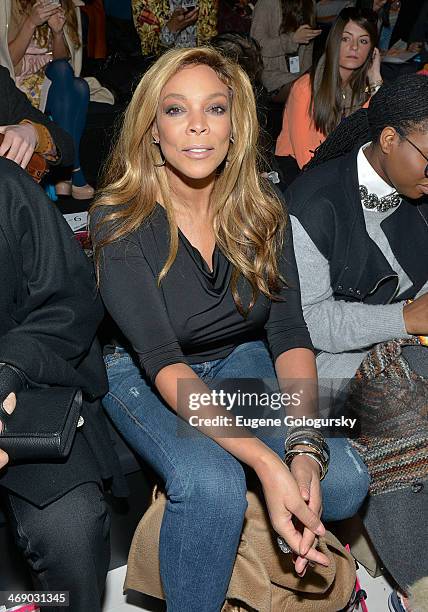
[359, 215]
[420, 151]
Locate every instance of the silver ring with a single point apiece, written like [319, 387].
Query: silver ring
[283, 545]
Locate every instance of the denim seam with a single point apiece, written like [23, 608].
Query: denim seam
[140, 425]
[154, 439]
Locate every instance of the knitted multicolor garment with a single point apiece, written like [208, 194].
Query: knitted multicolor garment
[391, 404]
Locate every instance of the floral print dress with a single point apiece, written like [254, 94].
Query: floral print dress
[151, 17]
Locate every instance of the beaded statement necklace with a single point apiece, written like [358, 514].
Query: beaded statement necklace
[372, 201]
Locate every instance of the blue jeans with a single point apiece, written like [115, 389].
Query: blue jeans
[206, 485]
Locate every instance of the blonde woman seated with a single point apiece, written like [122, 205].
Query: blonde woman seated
[196, 266]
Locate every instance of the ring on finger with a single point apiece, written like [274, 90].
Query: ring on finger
[283, 545]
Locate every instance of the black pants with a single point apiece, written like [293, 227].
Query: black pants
[66, 544]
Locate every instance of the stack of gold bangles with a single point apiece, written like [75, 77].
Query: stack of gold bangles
[315, 448]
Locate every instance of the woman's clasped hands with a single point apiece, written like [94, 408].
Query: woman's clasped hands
[51, 13]
[294, 494]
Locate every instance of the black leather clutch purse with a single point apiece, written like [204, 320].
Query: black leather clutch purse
[43, 424]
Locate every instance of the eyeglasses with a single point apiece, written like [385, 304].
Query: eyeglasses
[418, 149]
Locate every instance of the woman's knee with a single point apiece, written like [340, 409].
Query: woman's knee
[66, 84]
[64, 536]
[76, 526]
[59, 70]
[81, 90]
[218, 488]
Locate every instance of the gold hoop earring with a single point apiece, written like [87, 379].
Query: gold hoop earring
[232, 140]
[156, 142]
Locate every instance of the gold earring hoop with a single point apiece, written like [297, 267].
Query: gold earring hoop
[156, 142]
[231, 138]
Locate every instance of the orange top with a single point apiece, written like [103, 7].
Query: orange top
[299, 137]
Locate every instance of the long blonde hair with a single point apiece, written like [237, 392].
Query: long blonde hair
[248, 217]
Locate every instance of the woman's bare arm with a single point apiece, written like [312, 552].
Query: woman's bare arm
[18, 45]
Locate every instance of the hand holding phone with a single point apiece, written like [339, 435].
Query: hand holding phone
[41, 12]
[182, 17]
[305, 34]
[191, 15]
[189, 7]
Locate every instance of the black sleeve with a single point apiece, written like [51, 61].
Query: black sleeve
[17, 107]
[419, 33]
[407, 16]
[286, 328]
[131, 295]
[58, 309]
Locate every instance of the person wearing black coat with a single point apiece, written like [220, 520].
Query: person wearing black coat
[359, 214]
[408, 16]
[49, 314]
[26, 129]
[419, 34]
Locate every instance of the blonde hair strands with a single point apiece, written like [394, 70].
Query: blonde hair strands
[249, 219]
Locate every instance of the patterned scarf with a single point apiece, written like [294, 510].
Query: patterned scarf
[391, 404]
